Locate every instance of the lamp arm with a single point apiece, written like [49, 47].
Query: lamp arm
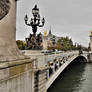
[29, 24]
[43, 21]
[26, 20]
[41, 25]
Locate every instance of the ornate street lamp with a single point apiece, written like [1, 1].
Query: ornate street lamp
[34, 41]
[35, 21]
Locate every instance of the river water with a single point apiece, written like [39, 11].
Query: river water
[76, 78]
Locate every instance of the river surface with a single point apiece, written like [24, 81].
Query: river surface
[76, 78]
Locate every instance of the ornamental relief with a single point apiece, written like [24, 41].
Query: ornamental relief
[4, 8]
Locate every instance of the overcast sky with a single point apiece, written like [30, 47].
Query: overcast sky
[71, 18]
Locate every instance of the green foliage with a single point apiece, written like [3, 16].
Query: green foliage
[66, 43]
[21, 45]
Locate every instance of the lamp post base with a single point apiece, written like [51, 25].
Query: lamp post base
[34, 42]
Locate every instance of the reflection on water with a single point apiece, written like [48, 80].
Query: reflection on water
[76, 78]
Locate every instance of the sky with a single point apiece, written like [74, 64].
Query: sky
[71, 18]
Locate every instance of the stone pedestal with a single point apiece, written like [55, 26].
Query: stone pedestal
[34, 42]
[8, 48]
[17, 76]
[15, 68]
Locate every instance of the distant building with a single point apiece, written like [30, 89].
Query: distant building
[49, 40]
[52, 38]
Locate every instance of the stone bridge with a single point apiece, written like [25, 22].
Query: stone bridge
[50, 66]
[57, 65]
[34, 72]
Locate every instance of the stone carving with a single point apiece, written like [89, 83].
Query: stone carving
[4, 8]
[34, 42]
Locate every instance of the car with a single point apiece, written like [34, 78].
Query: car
[60, 51]
[46, 51]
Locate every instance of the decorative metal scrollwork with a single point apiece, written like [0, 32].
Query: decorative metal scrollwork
[4, 8]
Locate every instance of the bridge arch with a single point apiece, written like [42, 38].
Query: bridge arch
[80, 58]
[63, 64]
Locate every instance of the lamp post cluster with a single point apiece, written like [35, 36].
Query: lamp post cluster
[36, 21]
[34, 41]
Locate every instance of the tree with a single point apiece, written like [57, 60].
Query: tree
[21, 45]
[66, 43]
